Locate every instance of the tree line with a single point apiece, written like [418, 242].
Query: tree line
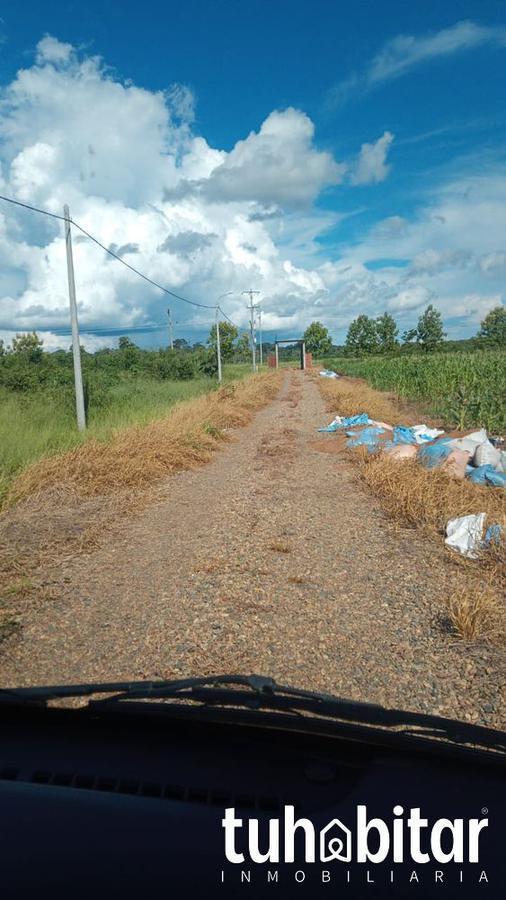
[367, 335]
[25, 366]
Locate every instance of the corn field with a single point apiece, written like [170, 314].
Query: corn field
[464, 389]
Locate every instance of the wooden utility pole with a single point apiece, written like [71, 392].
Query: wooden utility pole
[76, 350]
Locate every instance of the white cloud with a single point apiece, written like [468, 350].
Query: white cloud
[410, 298]
[51, 341]
[195, 218]
[278, 164]
[405, 51]
[493, 263]
[371, 165]
[51, 50]
[203, 221]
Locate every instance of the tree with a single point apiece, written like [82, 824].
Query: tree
[28, 347]
[493, 327]
[243, 348]
[387, 331]
[410, 335]
[430, 328]
[228, 334]
[129, 352]
[124, 343]
[317, 339]
[362, 336]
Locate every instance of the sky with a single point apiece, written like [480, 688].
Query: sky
[338, 158]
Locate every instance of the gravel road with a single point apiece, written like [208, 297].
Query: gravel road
[271, 559]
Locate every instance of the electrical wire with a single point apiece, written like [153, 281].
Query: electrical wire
[239, 327]
[95, 240]
[165, 290]
[141, 274]
[43, 212]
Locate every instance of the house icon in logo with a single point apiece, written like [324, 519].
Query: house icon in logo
[335, 842]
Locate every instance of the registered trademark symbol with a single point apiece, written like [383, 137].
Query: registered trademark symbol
[484, 811]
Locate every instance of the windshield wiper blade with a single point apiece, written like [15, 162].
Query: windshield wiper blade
[259, 692]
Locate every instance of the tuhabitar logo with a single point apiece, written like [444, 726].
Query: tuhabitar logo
[408, 836]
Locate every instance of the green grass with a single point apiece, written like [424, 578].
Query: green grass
[39, 424]
[464, 389]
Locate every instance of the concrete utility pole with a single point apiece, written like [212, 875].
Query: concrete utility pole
[218, 345]
[252, 308]
[218, 339]
[76, 350]
[171, 335]
[260, 335]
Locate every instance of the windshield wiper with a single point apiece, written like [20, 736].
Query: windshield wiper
[257, 692]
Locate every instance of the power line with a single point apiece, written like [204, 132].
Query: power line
[43, 212]
[141, 274]
[137, 272]
[165, 290]
[239, 327]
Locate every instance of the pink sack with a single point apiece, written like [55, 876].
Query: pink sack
[455, 464]
[382, 425]
[402, 451]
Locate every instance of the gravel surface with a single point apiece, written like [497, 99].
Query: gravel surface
[270, 559]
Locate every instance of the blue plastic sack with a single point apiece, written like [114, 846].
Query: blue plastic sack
[432, 455]
[334, 426]
[348, 422]
[403, 435]
[368, 437]
[493, 535]
[487, 475]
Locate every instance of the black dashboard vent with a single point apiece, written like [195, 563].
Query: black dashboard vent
[138, 787]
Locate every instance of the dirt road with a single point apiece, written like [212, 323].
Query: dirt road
[271, 559]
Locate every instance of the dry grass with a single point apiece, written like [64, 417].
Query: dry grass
[349, 398]
[475, 612]
[138, 456]
[423, 496]
[428, 498]
[63, 505]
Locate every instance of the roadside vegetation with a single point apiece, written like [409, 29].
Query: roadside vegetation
[463, 389]
[122, 386]
[461, 382]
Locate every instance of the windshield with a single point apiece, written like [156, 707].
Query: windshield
[251, 382]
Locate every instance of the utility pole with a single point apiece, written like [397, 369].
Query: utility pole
[76, 350]
[218, 346]
[252, 308]
[171, 336]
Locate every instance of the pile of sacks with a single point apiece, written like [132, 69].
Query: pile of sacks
[474, 456]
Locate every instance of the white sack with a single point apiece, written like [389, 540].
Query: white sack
[471, 441]
[465, 534]
[423, 433]
[486, 454]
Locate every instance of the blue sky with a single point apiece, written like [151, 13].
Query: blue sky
[340, 158]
